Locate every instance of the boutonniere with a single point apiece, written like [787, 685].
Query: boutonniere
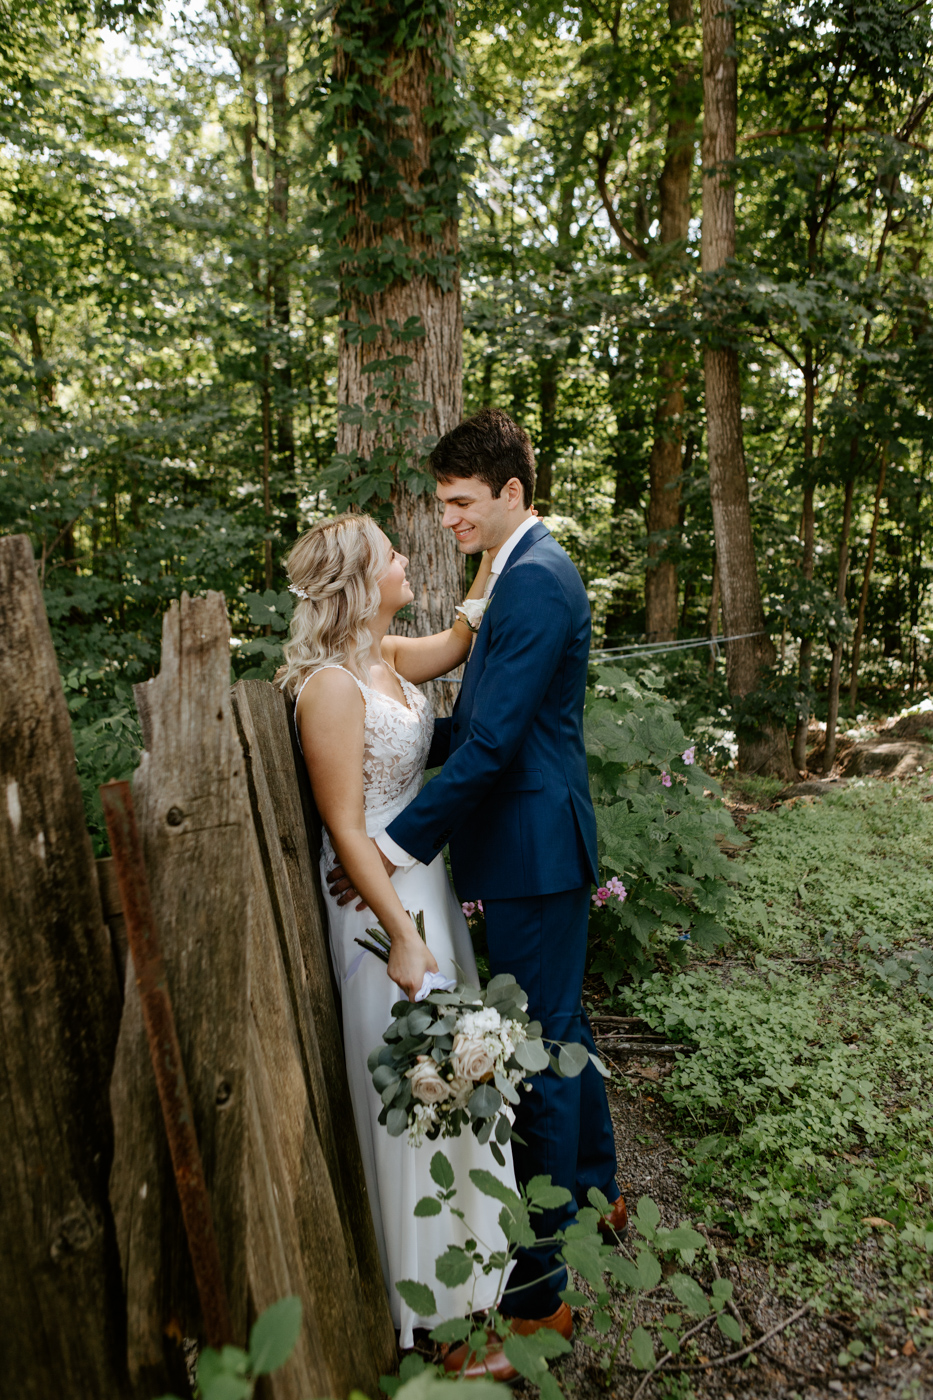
[472, 612]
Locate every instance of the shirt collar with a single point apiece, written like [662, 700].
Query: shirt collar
[502, 558]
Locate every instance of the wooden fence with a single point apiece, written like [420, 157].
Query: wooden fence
[96, 1289]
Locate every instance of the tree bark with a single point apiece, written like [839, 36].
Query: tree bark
[666, 465]
[866, 580]
[436, 571]
[764, 749]
[832, 716]
[60, 1289]
[275, 43]
[799, 752]
[712, 618]
[547, 447]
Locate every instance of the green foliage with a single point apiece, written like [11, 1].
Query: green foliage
[232, 1373]
[839, 874]
[661, 1260]
[804, 1108]
[107, 743]
[660, 839]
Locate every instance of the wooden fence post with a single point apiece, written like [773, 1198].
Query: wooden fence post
[195, 824]
[235, 897]
[352, 1287]
[60, 1297]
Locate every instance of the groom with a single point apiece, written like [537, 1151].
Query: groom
[513, 802]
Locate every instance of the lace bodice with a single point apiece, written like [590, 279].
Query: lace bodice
[396, 743]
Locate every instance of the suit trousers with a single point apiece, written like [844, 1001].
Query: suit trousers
[565, 1123]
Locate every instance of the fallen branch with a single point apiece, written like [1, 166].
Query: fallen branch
[698, 1328]
[720, 1360]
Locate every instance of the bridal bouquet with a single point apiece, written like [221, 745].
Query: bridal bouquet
[460, 1057]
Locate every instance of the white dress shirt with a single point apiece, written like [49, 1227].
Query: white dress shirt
[400, 858]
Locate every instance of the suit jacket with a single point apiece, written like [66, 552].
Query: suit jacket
[513, 797]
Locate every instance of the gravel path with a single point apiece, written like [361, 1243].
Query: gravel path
[800, 1361]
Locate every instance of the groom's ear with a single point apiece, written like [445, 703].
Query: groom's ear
[514, 492]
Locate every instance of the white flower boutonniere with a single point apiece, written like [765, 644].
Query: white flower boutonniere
[472, 612]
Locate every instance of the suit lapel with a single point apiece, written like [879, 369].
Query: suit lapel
[477, 660]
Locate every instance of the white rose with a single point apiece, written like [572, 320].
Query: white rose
[471, 1058]
[427, 1086]
[472, 612]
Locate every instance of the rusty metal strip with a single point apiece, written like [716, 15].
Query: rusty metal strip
[165, 1051]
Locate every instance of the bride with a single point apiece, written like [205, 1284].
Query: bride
[365, 732]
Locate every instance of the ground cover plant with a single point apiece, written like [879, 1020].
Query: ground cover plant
[803, 1115]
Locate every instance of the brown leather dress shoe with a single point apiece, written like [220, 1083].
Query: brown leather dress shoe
[496, 1366]
[615, 1224]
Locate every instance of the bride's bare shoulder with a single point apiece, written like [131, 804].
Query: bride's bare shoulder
[332, 690]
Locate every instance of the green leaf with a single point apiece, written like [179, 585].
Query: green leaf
[453, 1267]
[273, 1336]
[456, 1329]
[541, 1192]
[442, 1173]
[729, 1327]
[625, 1271]
[687, 1291]
[428, 1205]
[227, 1388]
[396, 1122]
[532, 1055]
[529, 1355]
[418, 1296]
[484, 1102]
[647, 1217]
[642, 1350]
[548, 1387]
[649, 1269]
[573, 1060]
[492, 1185]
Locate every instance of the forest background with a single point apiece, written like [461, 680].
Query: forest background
[256, 257]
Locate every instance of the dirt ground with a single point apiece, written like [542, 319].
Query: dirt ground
[797, 1362]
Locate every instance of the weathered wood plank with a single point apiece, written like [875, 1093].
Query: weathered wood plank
[196, 827]
[330, 1195]
[60, 1296]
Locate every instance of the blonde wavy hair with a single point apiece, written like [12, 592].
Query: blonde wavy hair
[337, 565]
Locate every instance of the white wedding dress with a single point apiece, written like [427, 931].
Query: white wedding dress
[397, 740]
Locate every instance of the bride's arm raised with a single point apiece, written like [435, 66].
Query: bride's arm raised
[330, 720]
[423, 658]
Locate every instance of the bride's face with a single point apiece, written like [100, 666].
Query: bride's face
[394, 587]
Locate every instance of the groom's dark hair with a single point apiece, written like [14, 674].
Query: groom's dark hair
[489, 446]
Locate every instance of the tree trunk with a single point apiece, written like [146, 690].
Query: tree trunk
[764, 749]
[666, 465]
[799, 753]
[275, 43]
[866, 580]
[547, 446]
[712, 618]
[832, 716]
[435, 373]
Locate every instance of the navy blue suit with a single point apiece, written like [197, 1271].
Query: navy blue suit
[513, 801]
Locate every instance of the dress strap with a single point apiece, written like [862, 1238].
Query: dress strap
[327, 666]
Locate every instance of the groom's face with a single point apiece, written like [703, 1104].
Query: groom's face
[478, 519]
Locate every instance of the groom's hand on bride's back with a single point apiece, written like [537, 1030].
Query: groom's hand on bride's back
[341, 887]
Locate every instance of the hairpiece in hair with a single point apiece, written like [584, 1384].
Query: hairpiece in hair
[298, 592]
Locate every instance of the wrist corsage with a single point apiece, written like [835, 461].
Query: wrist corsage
[472, 612]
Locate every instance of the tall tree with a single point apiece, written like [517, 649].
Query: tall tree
[394, 215]
[667, 452]
[763, 747]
